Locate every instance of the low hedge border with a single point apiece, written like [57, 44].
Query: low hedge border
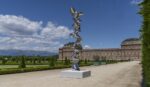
[31, 69]
[40, 68]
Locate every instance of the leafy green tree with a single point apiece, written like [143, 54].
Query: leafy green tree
[80, 61]
[145, 36]
[17, 59]
[4, 60]
[85, 61]
[66, 61]
[69, 61]
[51, 62]
[34, 60]
[56, 57]
[22, 62]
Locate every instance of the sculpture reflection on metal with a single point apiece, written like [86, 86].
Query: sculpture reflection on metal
[77, 47]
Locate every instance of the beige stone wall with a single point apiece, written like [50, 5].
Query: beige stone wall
[109, 54]
[126, 52]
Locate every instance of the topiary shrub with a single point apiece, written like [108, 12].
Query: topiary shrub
[51, 62]
[85, 61]
[22, 62]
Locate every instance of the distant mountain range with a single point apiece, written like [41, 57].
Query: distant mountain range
[26, 52]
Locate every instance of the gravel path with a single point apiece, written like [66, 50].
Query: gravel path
[127, 74]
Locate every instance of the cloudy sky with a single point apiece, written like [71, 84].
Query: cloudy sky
[45, 25]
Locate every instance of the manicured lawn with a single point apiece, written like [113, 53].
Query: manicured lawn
[10, 69]
[16, 66]
[8, 66]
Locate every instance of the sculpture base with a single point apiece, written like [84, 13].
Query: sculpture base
[75, 74]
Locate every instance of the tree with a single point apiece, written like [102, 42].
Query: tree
[51, 62]
[85, 61]
[4, 60]
[66, 61]
[145, 36]
[39, 59]
[22, 62]
[55, 56]
[34, 59]
[80, 61]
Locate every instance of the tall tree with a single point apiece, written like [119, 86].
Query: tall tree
[145, 31]
[22, 62]
[51, 62]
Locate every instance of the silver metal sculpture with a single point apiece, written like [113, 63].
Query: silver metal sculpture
[77, 47]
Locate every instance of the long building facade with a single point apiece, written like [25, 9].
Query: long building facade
[130, 50]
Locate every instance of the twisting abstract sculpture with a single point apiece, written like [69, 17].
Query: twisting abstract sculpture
[77, 47]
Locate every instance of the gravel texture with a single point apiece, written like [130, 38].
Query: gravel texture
[127, 74]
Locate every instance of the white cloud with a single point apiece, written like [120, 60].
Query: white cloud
[18, 25]
[57, 32]
[136, 1]
[17, 32]
[87, 47]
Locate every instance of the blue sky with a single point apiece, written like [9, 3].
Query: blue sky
[45, 24]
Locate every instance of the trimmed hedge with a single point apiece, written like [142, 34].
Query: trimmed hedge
[40, 68]
[30, 69]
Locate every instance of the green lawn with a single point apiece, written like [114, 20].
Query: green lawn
[8, 66]
[16, 66]
[9, 69]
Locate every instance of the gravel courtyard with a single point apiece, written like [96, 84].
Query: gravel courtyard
[127, 74]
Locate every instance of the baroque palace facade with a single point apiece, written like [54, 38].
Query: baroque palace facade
[130, 50]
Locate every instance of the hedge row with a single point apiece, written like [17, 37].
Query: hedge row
[30, 69]
[40, 68]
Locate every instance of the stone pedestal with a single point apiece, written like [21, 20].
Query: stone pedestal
[75, 74]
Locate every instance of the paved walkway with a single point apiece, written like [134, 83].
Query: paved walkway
[127, 74]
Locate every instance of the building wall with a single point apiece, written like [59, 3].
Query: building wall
[126, 52]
